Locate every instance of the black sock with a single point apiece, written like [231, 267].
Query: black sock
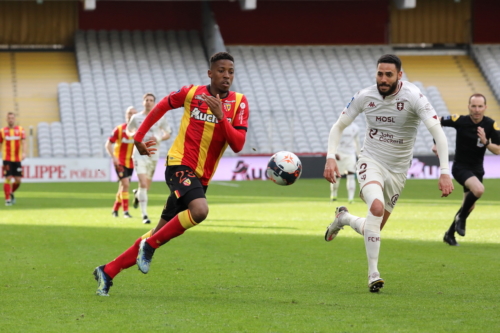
[469, 201]
[451, 231]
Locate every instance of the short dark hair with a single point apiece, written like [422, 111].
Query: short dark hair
[149, 94]
[477, 95]
[390, 59]
[11, 114]
[221, 56]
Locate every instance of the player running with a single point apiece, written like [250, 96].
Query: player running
[346, 156]
[393, 110]
[146, 165]
[13, 142]
[214, 117]
[122, 160]
[475, 134]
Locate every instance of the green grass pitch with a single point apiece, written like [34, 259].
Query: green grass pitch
[259, 263]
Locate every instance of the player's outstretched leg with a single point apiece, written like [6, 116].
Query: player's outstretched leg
[333, 229]
[104, 282]
[171, 229]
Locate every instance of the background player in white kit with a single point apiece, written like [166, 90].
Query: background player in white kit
[393, 110]
[145, 165]
[346, 156]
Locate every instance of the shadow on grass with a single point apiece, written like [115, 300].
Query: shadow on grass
[232, 278]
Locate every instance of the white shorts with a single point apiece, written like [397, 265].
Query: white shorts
[145, 165]
[347, 163]
[393, 183]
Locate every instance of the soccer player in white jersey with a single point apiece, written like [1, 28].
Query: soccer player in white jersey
[346, 160]
[393, 110]
[145, 165]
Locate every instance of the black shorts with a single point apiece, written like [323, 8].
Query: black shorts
[13, 169]
[184, 187]
[462, 172]
[123, 171]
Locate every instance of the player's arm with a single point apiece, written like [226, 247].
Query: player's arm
[492, 143]
[445, 184]
[235, 136]
[172, 101]
[25, 147]
[331, 169]
[109, 146]
[131, 127]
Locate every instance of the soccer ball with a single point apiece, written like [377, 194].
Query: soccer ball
[284, 168]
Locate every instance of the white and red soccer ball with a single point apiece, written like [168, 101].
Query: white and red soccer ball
[284, 168]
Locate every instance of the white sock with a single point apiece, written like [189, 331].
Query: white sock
[351, 187]
[142, 196]
[334, 187]
[357, 223]
[372, 241]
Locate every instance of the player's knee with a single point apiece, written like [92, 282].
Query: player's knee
[199, 212]
[377, 208]
[479, 191]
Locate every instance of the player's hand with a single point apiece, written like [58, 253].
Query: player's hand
[145, 148]
[115, 161]
[482, 135]
[331, 172]
[435, 150]
[445, 185]
[215, 105]
[119, 168]
[23, 156]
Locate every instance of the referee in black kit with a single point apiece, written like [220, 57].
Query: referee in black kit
[475, 134]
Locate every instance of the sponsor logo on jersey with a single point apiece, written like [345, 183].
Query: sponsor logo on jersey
[400, 106]
[371, 105]
[349, 104]
[384, 137]
[198, 97]
[198, 115]
[495, 126]
[455, 117]
[382, 119]
[127, 140]
[12, 137]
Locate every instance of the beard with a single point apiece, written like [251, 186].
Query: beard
[391, 90]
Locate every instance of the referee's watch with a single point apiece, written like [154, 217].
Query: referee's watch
[487, 143]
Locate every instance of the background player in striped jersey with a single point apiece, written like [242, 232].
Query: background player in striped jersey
[122, 160]
[214, 117]
[346, 160]
[13, 141]
[145, 166]
[393, 111]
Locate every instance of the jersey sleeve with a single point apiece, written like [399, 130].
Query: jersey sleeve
[176, 99]
[132, 124]
[355, 106]
[495, 133]
[450, 121]
[424, 109]
[164, 125]
[242, 114]
[114, 135]
[1, 135]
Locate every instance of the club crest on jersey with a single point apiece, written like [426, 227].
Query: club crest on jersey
[400, 106]
[227, 106]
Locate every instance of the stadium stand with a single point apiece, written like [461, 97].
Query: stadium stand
[302, 90]
[115, 72]
[295, 92]
[488, 59]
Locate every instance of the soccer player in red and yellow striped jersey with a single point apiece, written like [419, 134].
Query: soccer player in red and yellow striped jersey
[122, 160]
[13, 142]
[214, 117]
